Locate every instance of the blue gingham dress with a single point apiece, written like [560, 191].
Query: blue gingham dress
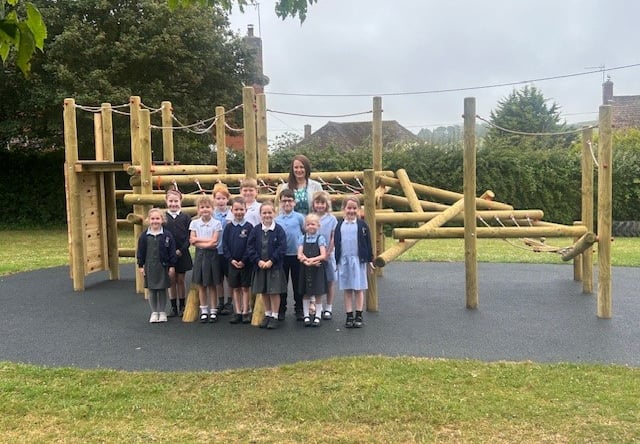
[352, 274]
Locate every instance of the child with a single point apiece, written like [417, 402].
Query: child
[266, 247]
[177, 223]
[321, 204]
[156, 256]
[206, 273]
[234, 239]
[353, 252]
[293, 224]
[222, 214]
[312, 253]
[249, 192]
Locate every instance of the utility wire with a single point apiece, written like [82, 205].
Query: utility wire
[469, 88]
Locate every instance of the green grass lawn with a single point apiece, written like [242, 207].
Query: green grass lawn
[360, 399]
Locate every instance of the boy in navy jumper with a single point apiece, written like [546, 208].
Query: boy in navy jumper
[234, 246]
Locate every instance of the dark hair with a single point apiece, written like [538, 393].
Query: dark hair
[238, 200]
[307, 170]
[287, 192]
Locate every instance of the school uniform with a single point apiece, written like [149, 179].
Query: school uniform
[178, 225]
[267, 243]
[312, 279]
[206, 271]
[235, 238]
[353, 252]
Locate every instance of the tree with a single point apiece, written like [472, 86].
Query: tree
[526, 111]
[283, 8]
[22, 30]
[25, 35]
[106, 51]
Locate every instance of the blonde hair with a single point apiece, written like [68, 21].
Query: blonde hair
[222, 189]
[249, 182]
[322, 197]
[350, 199]
[311, 217]
[204, 200]
[155, 210]
[268, 203]
[173, 191]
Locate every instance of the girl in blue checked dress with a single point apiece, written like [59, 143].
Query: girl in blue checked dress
[353, 251]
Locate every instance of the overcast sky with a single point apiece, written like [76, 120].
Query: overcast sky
[383, 47]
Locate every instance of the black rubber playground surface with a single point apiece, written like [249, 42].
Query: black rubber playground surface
[526, 312]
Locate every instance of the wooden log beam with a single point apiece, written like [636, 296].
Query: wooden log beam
[445, 195]
[490, 232]
[275, 178]
[581, 245]
[401, 201]
[521, 216]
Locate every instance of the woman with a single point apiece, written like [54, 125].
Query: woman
[302, 186]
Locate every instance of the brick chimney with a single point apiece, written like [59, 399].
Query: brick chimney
[258, 79]
[607, 92]
[307, 130]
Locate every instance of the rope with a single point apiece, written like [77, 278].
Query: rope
[522, 133]
[593, 155]
[319, 115]
[230, 128]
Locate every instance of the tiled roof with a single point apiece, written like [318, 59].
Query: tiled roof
[626, 111]
[348, 135]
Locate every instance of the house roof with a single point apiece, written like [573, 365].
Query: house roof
[626, 111]
[348, 135]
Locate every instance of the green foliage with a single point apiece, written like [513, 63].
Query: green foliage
[283, 8]
[526, 111]
[24, 35]
[33, 191]
[107, 51]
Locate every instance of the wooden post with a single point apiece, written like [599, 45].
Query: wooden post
[469, 188]
[376, 135]
[577, 259]
[587, 207]
[261, 137]
[604, 213]
[370, 219]
[110, 194]
[221, 140]
[97, 136]
[74, 216]
[134, 110]
[249, 116]
[167, 133]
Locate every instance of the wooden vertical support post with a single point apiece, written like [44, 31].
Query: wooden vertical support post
[146, 183]
[604, 213]
[97, 136]
[249, 117]
[577, 261]
[74, 210]
[261, 138]
[469, 190]
[134, 111]
[221, 141]
[370, 218]
[376, 139]
[377, 133]
[167, 133]
[110, 194]
[587, 207]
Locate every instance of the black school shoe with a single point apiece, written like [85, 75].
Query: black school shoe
[236, 319]
[246, 318]
[349, 323]
[358, 323]
[265, 322]
[273, 324]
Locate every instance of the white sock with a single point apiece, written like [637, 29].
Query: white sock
[305, 307]
[268, 313]
[328, 307]
[318, 310]
[204, 309]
